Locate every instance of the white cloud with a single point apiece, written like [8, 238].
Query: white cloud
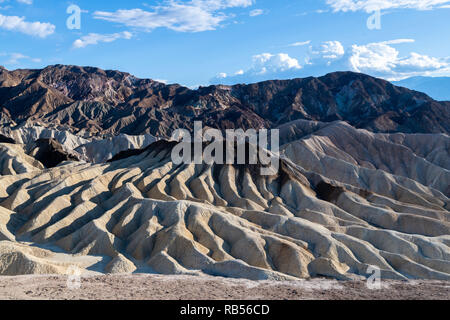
[14, 23]
[398, 41]
[371, 5]
[300, 43]
[16, 58]
[383, 60]
[374, 57]
[265, 65]
[281, 62]
[29, 2]
[95, 38]
[417, 62]
[191, 16]
[256, 12]
[328, 51]
[379, 59]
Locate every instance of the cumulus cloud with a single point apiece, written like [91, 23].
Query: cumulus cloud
[95, 38]
[328, 51]
[191, 16]
[371, 5]
[374, 57]
[264, 66]
[19, 24]
[266, 62]
[379, 59]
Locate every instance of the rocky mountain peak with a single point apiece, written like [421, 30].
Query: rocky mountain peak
[113, 102]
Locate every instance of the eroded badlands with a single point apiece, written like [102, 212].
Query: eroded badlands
[343, 200]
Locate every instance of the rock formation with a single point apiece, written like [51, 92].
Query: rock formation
[85, 99]
[143, 211]
[50, 153]
[364, 178]
[90, 148]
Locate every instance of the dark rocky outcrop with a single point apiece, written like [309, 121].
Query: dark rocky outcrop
[50, 153]
[86, 98]
[328, 192]
[157, 146]
[5, 139]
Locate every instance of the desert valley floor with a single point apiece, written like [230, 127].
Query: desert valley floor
[163, 287]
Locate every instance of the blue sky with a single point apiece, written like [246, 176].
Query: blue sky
[198, 42]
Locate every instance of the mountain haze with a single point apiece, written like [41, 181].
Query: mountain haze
[436, 87]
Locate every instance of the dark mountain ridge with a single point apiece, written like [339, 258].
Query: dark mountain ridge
[99, 101]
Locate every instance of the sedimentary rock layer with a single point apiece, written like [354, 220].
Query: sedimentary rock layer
[331, 210]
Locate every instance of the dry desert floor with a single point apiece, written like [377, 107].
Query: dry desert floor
[160, 287]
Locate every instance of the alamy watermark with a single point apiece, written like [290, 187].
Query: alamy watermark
[73, 278]
[240, 147]
[374, 20]
[74, 20]
[374, 280]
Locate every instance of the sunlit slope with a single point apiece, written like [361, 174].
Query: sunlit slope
[329, 211]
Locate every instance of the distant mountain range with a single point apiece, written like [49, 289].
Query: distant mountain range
[436, 87]
[95, 101]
